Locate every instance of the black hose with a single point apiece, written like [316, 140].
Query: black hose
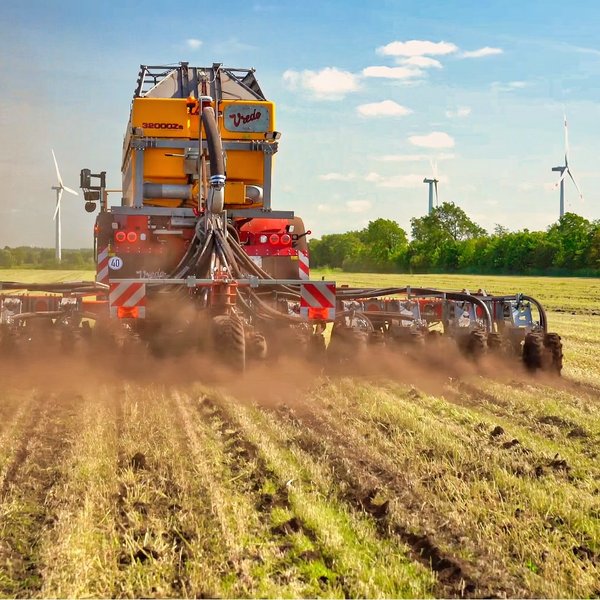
[213, 141]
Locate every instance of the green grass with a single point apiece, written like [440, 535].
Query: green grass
[45, 276]
[409, 482]
[563, 294]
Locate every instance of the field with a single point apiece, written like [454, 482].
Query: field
[423, 476]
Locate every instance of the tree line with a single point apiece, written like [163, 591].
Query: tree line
[26, 257]
[448, 241]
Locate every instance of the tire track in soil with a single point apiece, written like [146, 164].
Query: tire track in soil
[241, 450]
[363, 479]
[158, 480]
[534, 424]
[35, 415]
[27, 491]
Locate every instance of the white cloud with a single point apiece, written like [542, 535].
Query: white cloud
[416, 157]
[460, 112]
[337, 177]
[358, 206]
[481, 52]
[435, 139]
[412, 180]
[511, 86]
[386, 108]
[327, 84]
[417, 48]
[392, 72]
[350, 206]
[193, 43]
[327, 208]
[421, 62]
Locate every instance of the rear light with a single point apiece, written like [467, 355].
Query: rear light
[132, 237]
[274, 239]
[128, 312]
[263, 239]
[286, 240]
[120, 236]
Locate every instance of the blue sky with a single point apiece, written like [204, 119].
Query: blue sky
[367, 94]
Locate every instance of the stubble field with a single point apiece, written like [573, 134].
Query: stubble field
[422, 476]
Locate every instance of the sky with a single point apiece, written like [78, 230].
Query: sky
[370, 96]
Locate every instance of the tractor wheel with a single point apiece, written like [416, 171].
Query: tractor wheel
[229, 342]
[553, 347]
[533, 351]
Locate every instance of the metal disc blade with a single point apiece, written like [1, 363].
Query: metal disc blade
[57, 171]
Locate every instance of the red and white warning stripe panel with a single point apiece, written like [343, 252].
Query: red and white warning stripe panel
[127, 300]
[303, 265]
[317, 301]
[102, 266]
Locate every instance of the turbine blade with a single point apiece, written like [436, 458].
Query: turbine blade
[575, 183]
[564, 174]
[435, 182]
[70, 190]
[435, 169]
[566, 141]
[57, 171]
[60, 192]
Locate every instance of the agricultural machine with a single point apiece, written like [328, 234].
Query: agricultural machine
[194, 257]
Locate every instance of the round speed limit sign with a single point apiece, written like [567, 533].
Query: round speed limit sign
[115, 263]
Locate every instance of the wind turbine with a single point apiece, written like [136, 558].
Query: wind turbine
[564, 170]
[432, 182]
[59, 191]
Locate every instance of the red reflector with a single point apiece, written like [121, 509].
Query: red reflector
[127, 312]
[318, 313]
[274, 238]
[132, 237]
[286, 239]
[120, 236]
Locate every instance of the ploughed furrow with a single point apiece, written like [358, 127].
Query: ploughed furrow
[27, 503]
[168, 539]
[569, 422]
[270, 552]
[502, 501]
[370, 489]
[356, 555]
[13, 408]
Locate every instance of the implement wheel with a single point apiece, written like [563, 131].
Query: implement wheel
[229, 342]
[533, 351]
[553, 347]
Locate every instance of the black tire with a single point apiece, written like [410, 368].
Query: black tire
[473, 344]
[494, 342]
[229, 343]
[346, 344]
[533, 351]
[553, 345]
[316, 347]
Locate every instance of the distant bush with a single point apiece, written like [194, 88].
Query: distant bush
[26, 257]
[447, 241]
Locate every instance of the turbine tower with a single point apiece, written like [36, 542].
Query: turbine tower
[564, 170]
[59, 191]
[432, 182]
